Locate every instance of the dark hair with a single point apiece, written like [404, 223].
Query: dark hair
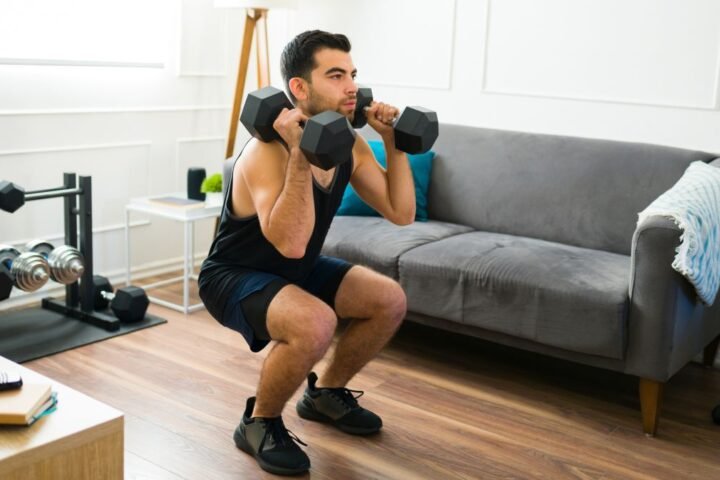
[298, 56]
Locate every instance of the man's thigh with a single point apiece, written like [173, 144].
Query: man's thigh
[364, 292]
[294, 313]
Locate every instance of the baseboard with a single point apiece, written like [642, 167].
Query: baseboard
[18, 298]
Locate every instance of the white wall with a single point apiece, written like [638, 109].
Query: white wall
[134, 114]
[645, 70]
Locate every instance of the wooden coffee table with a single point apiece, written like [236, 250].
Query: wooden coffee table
[82, 440]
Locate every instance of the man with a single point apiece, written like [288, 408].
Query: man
[265, 277]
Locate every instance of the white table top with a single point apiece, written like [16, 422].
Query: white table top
[211, 208]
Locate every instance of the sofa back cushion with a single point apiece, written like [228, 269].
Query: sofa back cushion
[576, 191]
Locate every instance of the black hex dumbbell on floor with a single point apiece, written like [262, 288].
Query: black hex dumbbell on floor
[6, 282]
[129, 303]
[327, 139]
[415, 130]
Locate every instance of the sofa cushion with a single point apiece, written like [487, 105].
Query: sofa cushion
[377, 243]
[579, 191]
[420, 165]
[554, 294]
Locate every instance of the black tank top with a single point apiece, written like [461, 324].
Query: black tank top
[240, 246]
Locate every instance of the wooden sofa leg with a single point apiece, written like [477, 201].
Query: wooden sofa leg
[711, 352]
[650, 400]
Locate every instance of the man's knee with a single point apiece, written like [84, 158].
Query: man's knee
[392, 303]
[316, 327]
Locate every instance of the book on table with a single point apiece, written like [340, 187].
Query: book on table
[24, 405]
[177, 202]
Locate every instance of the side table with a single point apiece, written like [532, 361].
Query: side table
[188, 216]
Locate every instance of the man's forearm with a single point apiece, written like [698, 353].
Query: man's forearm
[292, 219]
[401, 189]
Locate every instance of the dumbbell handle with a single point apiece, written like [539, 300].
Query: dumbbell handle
[110, 296]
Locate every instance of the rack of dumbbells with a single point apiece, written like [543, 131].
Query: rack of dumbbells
[87, 296]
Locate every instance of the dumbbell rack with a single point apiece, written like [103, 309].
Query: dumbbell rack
[79, 296]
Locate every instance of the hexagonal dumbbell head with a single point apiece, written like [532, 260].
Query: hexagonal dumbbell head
[327, 140]
[7, 255]
[12, 197]
[6, 283]
[416, 130]
[261, 109]
[130, 304]
[101, 284]
[364, 98]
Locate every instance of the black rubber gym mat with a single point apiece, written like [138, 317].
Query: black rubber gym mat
[35, 332]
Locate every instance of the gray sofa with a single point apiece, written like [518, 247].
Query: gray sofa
[532, 243]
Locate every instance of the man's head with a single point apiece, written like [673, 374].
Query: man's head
[318, 72]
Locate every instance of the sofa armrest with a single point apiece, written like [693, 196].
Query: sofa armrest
[667, 324]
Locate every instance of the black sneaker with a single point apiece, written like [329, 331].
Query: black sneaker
[338, 407]
[272, 445]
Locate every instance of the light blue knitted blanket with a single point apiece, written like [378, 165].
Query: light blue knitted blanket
[693, 203]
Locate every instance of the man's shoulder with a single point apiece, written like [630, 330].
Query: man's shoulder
[258, 154]
[361, 151]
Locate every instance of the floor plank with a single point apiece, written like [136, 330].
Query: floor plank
[453, 408]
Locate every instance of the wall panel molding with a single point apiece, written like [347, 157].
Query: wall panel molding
[78, 63]
[143, 160]
[92, 111]
[180, 173]
[712, 103]
[450, 67]
[224, 44]
[74, 148]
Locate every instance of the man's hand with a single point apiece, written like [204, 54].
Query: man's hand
[287, 124]
[381, 117]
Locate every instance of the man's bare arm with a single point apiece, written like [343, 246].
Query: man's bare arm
[280, 186]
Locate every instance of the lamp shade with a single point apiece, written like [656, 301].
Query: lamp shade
[266, 4]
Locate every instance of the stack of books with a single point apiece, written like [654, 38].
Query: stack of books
[24, 404]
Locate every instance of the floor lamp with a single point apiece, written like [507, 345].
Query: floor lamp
[255, 22]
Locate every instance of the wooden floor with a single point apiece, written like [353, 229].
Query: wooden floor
[453, 408]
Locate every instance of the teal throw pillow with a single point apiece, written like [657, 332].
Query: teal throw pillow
[421, 166]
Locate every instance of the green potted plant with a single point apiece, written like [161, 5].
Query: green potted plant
[212, 188]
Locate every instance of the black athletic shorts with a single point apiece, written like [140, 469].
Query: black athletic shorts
[246, 310]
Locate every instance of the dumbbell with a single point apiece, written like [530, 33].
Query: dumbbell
[129, 303]
[12, 197]
[66, 263]
[415, 130]
[28, 270]
[6, 282]
[327, 140]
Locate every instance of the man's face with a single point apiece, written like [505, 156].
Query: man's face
[332, 85]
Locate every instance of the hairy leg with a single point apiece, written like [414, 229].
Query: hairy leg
[377, 305]
[303, 327]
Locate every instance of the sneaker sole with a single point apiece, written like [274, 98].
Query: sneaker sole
[243, 445]
[309, 413]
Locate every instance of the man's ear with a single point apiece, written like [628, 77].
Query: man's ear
[299, 88]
